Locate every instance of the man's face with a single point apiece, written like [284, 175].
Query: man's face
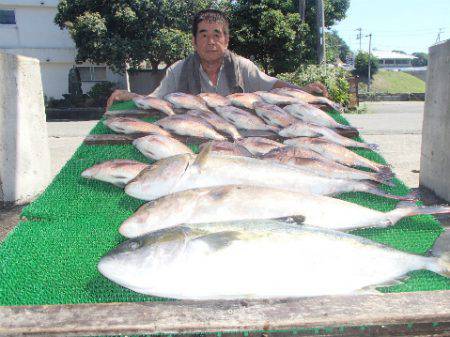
[211, 41]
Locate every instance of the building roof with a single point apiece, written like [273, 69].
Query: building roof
[384, 54]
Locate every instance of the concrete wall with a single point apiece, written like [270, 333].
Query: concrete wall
[24, 152]
[435, 154]
[420, 74]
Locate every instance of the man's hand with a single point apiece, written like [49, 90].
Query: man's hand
[316, 88]
[120, 95]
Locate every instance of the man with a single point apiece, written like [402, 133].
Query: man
[213, 68]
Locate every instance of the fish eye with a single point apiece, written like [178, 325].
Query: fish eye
[133, 245]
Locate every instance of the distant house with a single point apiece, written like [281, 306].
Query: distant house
[391, 59]
[27, 28]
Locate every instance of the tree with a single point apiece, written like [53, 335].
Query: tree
[421, 60]
[362, 65]
[336, 47]
[271, 32]
[129, 31]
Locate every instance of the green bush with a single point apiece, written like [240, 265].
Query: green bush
[362, 65]
[334, 78]
[100, 92]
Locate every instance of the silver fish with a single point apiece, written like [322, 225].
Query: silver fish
[273, 114]
[332, 169]
[227, 148]
[214, 100]
[190, 126]
[307, 97]
[129, 125]
[259, 145]
[243, 119]
[318, 262]
[186, 101]
[336, 152]
[310, 114]
[183, 172]
[302, 129]
[118, 172]
[217, 122]
[273, 98]
[244, 100]
[238, 202]
[149, 103]
[157, 147]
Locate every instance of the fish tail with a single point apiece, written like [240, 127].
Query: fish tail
[444, 264]
[373, 147]
[420, 210]
[384, 178]
[372, 188]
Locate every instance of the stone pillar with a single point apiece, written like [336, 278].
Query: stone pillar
[24, 150]
[435, 155]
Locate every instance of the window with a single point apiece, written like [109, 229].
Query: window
[7, 17]
[92, 74]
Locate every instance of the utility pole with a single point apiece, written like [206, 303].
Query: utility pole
[302, 9]
[438, 39]
[370, 42]
[320, 32]
[359, 37]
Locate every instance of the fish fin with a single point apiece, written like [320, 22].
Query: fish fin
[202, 157]
[216, 241]
[294, 219]
[444, 263]
[373, 289]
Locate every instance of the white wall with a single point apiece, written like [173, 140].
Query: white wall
[36, 35]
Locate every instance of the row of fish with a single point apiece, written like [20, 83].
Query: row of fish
[255, 207]
[294, 120]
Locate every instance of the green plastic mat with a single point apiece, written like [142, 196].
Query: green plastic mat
[51, 256]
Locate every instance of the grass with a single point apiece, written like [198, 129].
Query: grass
[395, 82]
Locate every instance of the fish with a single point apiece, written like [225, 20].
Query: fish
[307, 97]
[336, 152]
[273, 98]
[149, 102]
[259, 145]
[187, 125]
[217, 122]
[302, 129]
[227, 148]
[214, 100]
[243, 119]
[332, 169]
[129, 125]
[244, 100]
[278, 259]
[310, 114]
[186, 101]
[274, 115]
[285, 152]
[186, 171]
[114, 113]
[239, 202]
[118, 172]
[158, 147]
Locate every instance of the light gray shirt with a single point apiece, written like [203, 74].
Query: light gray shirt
[253, 78]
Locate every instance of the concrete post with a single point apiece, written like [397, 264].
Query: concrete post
[435, 155]
[24, 151]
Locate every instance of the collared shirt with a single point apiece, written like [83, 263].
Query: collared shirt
[253, 78]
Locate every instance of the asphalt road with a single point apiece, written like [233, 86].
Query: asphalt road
[394, 126]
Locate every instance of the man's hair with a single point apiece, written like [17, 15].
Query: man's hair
[210, 15]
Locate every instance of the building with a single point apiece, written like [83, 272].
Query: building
[391, 59]
[27, 28]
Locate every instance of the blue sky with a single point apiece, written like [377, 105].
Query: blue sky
[408, 25]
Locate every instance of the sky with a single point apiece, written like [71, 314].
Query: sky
[407, 25]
